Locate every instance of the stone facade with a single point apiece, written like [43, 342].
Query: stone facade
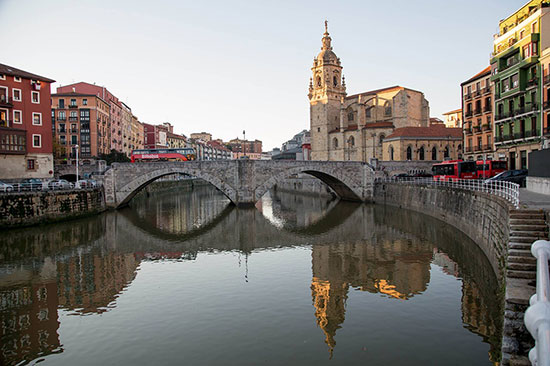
[30, 208]
[353, 127]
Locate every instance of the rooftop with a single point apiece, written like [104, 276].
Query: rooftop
[427, 132]
[12, 71]
[485, 72]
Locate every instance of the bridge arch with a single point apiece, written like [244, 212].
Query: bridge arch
[345, 186]
[129, 190]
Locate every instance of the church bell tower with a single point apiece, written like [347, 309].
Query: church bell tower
[327, 90]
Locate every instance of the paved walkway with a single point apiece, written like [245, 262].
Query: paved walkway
[529, 199]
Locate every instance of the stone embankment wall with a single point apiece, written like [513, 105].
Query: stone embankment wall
[31, 208]
[486, 220]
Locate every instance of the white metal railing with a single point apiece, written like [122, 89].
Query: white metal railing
[537, 316]
[507, 190]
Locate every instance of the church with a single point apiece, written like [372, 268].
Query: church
[353, 127]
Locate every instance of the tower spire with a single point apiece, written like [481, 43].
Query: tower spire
[326, 38]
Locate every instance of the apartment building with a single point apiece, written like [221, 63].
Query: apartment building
[83, 120]
[516, 73]
[25, 125]
[477, 109]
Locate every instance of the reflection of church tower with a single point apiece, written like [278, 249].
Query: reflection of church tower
[327, 89]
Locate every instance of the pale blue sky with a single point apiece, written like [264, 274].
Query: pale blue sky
[225, 66]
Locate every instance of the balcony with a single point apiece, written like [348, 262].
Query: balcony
[73, 130]
[519, 135]
[468, 114]
[468, 131]
[477, 111]
[510, 62]
[73, 119]
[532, 133]
[502, 115]
[73, 106]
[468, 149]
[61, 106]
[547, 79]
[5, 101]
[62, 119]
[478, 148]
[62, 130]
[532, 82]
[13, 141]
[477, 128]
[477, 93]
[468, 96]
[486, 127]
[487, 109]
[486, 90]
[487, 147]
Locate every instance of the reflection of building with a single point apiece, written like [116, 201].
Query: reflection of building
[353, 127]
[89, 283]
[398, 269]
[28, 315]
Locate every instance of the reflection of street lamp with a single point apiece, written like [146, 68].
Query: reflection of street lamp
[349, 148]
[76, 181]
[373, 145]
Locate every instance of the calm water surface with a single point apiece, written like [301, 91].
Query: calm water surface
[183, 278]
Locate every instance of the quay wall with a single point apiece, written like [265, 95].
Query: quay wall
[32, 208]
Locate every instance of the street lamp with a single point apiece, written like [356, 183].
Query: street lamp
[76, 181]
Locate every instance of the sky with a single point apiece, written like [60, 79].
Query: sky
[227, 66]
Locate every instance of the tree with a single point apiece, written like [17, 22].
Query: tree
[114, 157]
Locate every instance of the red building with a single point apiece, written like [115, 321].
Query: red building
[25, 125]
[156, 136]
[118, 125]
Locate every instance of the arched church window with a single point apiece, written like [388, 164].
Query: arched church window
[421, 153]
[335, 80]
[318, 81]
[446, 153]
[350, 115]
[387, 109]
[351, 141]
[409, 153]
[368, 112]
[335, 142]
[434, 153]
[391, 153]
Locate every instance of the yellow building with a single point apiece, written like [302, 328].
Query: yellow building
[453, 119]
[175, 141]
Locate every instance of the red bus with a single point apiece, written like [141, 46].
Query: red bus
[454, 169]
[151, 155]
[490, 168]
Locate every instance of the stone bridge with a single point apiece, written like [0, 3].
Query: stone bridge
[243, 181]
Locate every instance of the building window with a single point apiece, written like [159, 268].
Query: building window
[61, 103]
[37, 119]
[31, 164]
[368, 112]
[515, 81]
[73, 103]
[409, 153]
[351, 141]
[16, 93]
[318, 81]
[534, 48]
[391, 153]
[387, 109]
[421, 153]
[446, 152]
[335, 143]
[35, 97]
[84, 101]
[534, 27]
[434, 153]
[17, 79]
[335, 80]
[36, 141]
[74, 140]
[2, 77]
[17, 117]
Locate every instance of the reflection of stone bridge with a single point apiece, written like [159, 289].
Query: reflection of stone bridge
[242, 181]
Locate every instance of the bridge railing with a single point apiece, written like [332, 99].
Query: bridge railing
[537, 316]
[507, 190]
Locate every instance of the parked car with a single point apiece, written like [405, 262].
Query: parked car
[30, 184]
[5, 187]
[60, 184]
[86, 183]
[518, 176]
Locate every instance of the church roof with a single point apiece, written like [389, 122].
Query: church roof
[377, 91]
[431, 132]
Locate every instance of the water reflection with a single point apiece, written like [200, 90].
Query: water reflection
[82, 267]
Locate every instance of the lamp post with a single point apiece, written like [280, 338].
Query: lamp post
[76, 181]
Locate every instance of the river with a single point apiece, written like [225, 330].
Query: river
[184, 278]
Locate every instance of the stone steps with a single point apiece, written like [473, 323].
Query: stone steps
[520, 246]
[520, 252]
[527, 234]
[527, 216]
[529, 227]
[521, 259]
[527, 222]
[531, 275]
